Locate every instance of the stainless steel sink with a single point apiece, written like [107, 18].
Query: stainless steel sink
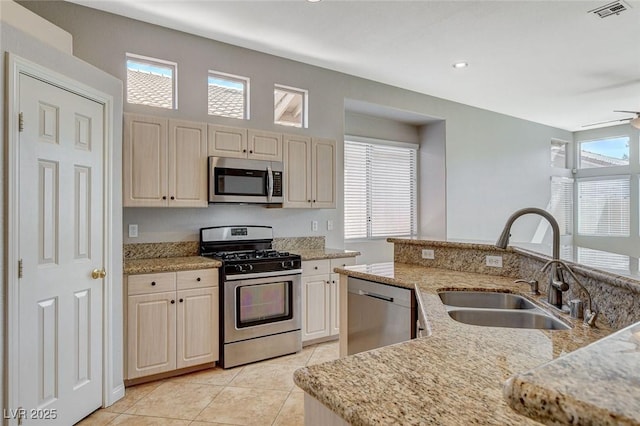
[507, 318]
[485, 299]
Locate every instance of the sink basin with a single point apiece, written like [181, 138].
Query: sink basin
[507, 318]
[485, 299]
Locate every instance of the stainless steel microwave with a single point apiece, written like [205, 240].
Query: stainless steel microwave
[234, 180]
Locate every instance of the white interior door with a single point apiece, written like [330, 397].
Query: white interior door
[60, 244]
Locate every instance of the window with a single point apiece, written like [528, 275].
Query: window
[151, 82]
[290, 106]
[603, 259]
[228, 95]
[379, 190]
[603, 206]
[604, 153]
[561, 203]
[559, 154]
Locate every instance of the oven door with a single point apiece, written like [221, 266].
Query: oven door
[261, 306]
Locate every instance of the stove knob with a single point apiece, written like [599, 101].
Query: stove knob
[239, 268]
[249, 267]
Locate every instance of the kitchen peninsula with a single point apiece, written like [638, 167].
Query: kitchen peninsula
[456, 375]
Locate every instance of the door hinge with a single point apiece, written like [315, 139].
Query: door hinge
[21, 122]
[20, 268]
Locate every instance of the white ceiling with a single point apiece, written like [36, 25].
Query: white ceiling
[546, 61]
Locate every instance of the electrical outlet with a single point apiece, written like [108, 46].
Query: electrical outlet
[329, 225]
[314, 225]
[428, 254]
[494, 261]
[133, 230]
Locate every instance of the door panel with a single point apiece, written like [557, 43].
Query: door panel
[315, 321]
[197, 326]
[297, 171]
[324, 173]
[60, 243]
[187, 164]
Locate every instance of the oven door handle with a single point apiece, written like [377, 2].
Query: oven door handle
[263, 275]
[269, 184]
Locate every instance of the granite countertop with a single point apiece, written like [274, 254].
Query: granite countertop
[597, 384]
[325, 253]
[168, 264]
[454, 376]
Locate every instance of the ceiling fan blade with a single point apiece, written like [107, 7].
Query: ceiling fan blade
[630, 112]
[605, 122]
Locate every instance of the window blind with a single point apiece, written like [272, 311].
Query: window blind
[602, 259]
[380, 190]
[603, 207]
[561, 203]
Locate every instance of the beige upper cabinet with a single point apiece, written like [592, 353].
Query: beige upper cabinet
[323, 171]
[164, 162]
[232, 142]
[310, 172]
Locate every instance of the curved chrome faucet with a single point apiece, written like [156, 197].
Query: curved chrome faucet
[557, 283]
[591, 314]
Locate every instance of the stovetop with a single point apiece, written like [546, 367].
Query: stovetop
[246, 250]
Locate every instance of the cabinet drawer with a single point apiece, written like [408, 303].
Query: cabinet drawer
[315, 267]
[151, 283]
[342, 262]
[198, 278]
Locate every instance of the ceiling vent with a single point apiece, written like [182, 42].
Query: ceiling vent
[614, 8]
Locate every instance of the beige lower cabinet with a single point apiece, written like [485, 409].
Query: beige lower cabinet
[320, 298]
[171, 321]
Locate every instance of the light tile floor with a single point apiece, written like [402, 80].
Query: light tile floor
[256, 394]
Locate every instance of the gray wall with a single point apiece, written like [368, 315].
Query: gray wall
[495, 164]
[21, 44]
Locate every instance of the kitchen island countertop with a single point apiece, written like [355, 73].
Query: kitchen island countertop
[453, 376]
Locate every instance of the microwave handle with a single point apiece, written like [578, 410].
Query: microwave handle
[269, 183]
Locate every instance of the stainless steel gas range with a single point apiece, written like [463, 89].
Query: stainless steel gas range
[260, 301]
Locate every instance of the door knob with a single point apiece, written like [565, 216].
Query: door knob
[97, 274]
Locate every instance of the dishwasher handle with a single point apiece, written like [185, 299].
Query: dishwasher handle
[376, 296]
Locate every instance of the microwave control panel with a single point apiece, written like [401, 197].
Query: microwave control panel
[277, 184]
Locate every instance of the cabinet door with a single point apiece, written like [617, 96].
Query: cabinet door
[334, 309]
[197, 327]
[228, 142]
[145, 161]
[297, 171]
[323, 172]
[151, 334]
[187, 164]
[264, 145]
[315, 307]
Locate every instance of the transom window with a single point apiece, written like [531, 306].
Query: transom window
[290, 106]
[609, 152]
[379, 190]
[151, 81]
[228, 95]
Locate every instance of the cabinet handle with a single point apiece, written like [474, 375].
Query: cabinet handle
[164, 197]
[308, 201]
[198, 279]
[181, 300]
[314, 201]
[173, 301]
[173, 198]
[153, 283]
[250, 152]
[315, 267]
[333, 281]
[244, 150]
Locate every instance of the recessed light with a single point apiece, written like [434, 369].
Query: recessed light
[460, 65]
[314, 1]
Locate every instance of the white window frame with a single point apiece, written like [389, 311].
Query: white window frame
[629, 246]
[155, 62]
[305, 106]
[245, 81]
[414, 224]
[578, 157]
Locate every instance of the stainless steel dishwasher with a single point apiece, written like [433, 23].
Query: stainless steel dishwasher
[378, 315]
